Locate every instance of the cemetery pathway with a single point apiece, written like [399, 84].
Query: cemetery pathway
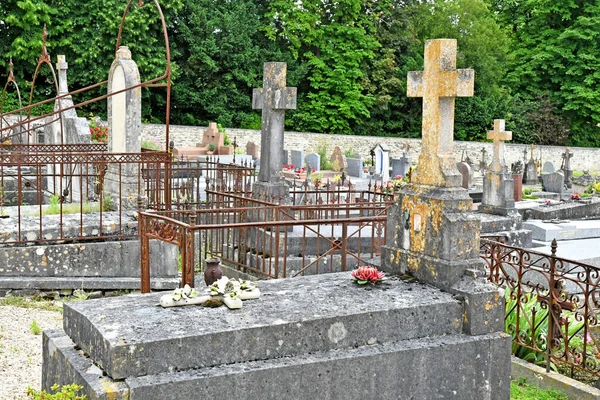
[21, 349]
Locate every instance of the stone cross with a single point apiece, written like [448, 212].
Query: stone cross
[273, 98]
[61, 67]
[439, 84]
[483, 163]
[525, 156]
[498, 135]
[567, 160]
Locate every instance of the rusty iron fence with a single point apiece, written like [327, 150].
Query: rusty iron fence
[48, 196]
[266, 240]
[552, 306]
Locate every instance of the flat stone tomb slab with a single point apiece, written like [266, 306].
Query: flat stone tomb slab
[133, 336]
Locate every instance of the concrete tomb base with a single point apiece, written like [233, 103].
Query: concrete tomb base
[318, 337]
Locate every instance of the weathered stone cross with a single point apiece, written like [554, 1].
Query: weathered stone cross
[61, 67]
[439, 84]
[273, 98]
[498, 135]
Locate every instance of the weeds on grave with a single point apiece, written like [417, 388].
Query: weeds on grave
[521, 389]
[67, 392]
[35, 328]
[80, 295]
[35, 302]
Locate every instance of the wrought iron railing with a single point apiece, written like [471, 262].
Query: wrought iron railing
[269, 241]
[552, 306]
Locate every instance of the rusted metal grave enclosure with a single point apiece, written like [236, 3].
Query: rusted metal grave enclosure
[331, 230]
[552, 307]
[58, 191]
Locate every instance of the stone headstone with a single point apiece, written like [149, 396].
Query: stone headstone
[400, 166]
[125, 108]
[273, 99]
[285, 154]
[518, 187]
[252, 150]
[382, 161]
[548, 168]
[338, 160]
[467, 174]
[124, 125]
[439, 84]
[212, 136]
[531, 173]
[297, 158]
[554, 182]
[313, 161]
[355, 167]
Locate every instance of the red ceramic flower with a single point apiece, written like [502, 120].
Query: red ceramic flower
[368, 274]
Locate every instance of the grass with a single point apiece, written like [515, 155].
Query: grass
[23, 302]
[35, 328]
[67, 208]
[520, 389]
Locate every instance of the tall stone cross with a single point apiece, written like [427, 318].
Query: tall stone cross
[273, 98]
[498, 135]
[439, 84]
[62, 66]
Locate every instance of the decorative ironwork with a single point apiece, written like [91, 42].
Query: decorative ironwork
[551, 305]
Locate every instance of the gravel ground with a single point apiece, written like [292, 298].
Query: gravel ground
[21, 350]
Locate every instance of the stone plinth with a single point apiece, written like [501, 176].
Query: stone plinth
[432, 234]
[323, 326]
[498, 194]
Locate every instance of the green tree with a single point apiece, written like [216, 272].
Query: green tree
[482, 45]
[332, 40]
[556, 57]
[86, 33]
[221, 47]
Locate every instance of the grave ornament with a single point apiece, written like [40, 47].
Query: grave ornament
[230, 292]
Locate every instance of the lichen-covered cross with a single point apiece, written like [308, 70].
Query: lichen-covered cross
[439, 84]
[498, 135]
[273, 98]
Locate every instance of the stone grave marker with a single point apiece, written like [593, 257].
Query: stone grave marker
[438, 85]
[338, 160]
[548, 168]
[285, 154]
[382, 161]
[75, 130]
[566, 167]
[355, 167]
[431, 231]
[498, 184]
[124, 108]
[124, 126]
[400, 165]
[313, 161]
[252, 150]
[273, 99]
[212, 136]
[531, 173]
[554, 182]
[297, 158]
[467, 174]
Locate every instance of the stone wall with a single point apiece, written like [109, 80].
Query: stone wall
[583, 159]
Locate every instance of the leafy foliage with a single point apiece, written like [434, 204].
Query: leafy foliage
[333, 41]
[67, 392]
[537, 63]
